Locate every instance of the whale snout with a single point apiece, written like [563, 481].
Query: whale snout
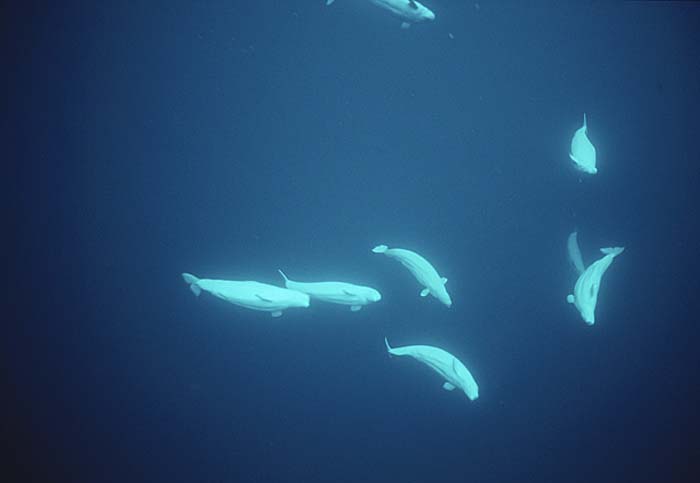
[429, 15]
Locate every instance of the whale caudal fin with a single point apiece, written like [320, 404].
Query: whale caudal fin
[614, 251]
[191, 280]
[380, 249]
[283, 276]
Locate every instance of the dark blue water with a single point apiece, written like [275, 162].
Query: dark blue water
[230, 139]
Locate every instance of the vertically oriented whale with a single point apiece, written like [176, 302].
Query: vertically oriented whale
[251, 295]
[448, 366]
[582, 150]
[575, 253]
[585, 296]
[342, 293]
[409, 11]
[422, 270]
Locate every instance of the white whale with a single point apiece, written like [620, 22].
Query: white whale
[582, 151]
[575, 253]
[421, 268]
[335, 292]
[409, 11]
[585, 296]
[251, 295]
[448, 366]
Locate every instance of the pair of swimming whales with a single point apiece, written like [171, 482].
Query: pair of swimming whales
[273, 299]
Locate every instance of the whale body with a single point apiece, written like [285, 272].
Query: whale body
[342, 293]
[585, 296]
[248, 294]
[582, 150]
[451, 369]
[422, 270]
[409, 11]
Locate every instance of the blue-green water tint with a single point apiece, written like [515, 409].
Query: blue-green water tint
[230, 139]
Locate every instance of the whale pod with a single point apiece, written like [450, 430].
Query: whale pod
[451, 369]
[248, 294]
[422, 270]
[356, 296]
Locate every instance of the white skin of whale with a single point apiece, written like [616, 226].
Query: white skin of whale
[407, 10]
[336, 292]
[422, 270]
[582, 151]
[585, 296]
[251, 295]
[448, 366]
[575, 253]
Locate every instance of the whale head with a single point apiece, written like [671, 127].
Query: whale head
[417, 12]
[299, 299]
[428, 14]
[442, 295]
[374, 295]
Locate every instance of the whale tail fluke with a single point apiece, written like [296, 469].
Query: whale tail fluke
[380, 249]
[283, 275]
[192, 281]
[614, 251]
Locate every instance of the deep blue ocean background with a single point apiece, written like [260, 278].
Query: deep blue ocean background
[231, 138]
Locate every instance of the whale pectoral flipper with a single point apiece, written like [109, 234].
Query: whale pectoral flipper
[405, 25]
[355, 308]
[263, 298]
[570, 298]
[443, 280]
[424, 292]
[448, 387]
[276, 313]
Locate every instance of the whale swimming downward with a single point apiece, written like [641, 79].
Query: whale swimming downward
[342, 293]
[582, 150]
[451, 369]
[422, 270]
[251, 295]
[585, 296]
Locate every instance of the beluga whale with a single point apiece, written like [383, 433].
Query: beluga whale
[422, 270]
[585, 296]
[409, 11]
[248, 294]
[451, 369]
[582, 150]
[356, 296]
